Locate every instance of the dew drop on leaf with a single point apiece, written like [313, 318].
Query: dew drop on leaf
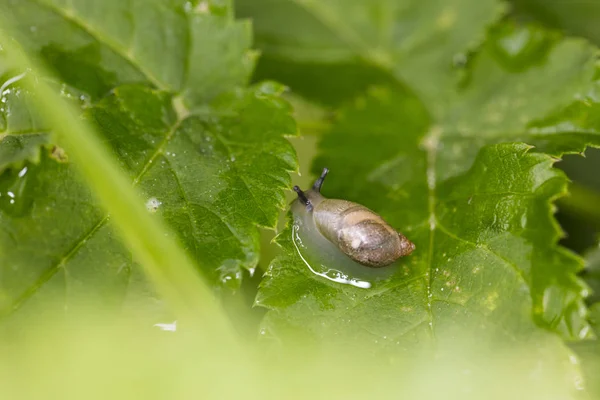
[230, 274]
[153, 204]
[15, 187]
[167, 327]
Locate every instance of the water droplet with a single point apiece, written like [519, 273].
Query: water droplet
[153, 204]
[230, 274]
[168, 327]
[202, 7]
[231, 280]
[573, 359]
[15, 188]
[9, 82]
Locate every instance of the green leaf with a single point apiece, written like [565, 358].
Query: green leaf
[484, 257]
[575, 17]
[94, 46]
[214, 177]
[215, 171]
[21, 131]
[15, 150]
[416, 41]
[468, 286]
[434, 166]
[165, 264]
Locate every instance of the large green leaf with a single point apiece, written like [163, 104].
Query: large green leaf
[210, 156]
[415, 40]
[487, 265]
[174, 45]
[485, 239]
[214, 177]
[466, 292]
[193, 49]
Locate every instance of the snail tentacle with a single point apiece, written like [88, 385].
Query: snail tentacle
[319, 182]
[302, 197]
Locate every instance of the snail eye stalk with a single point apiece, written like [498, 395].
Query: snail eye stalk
[319, 182]
[303, 197]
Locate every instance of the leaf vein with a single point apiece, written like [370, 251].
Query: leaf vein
[50, 272]
[69, 15]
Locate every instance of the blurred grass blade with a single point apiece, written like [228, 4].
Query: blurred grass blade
[166, 264]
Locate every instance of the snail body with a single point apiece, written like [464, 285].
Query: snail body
[356, 231]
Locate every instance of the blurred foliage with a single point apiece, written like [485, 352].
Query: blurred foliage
[133, 150]
[572, 16]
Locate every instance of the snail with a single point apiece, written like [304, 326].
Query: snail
[356, 231]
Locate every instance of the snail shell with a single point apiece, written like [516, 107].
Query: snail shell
[358, 232]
